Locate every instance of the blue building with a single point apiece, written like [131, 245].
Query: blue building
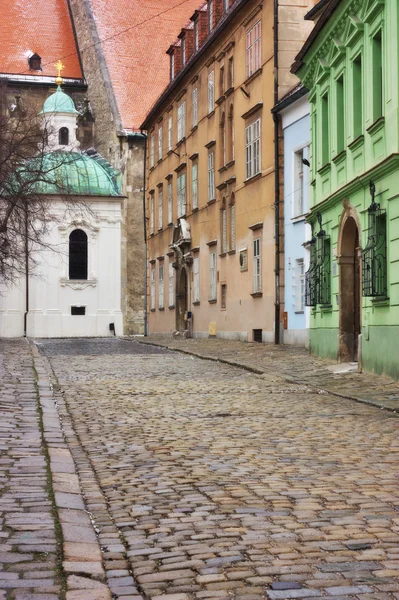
[295, 121]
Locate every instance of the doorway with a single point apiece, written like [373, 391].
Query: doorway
[182, 301]
[350, 294]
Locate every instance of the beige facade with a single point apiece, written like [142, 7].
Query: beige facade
[211, 248]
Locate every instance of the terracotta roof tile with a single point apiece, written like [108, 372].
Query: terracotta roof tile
[137, 60]
[41, 26]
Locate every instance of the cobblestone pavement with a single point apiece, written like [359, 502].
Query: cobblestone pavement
[292, 363]
[210, 482]
[28, 540]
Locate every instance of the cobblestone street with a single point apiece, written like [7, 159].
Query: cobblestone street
[207, 481]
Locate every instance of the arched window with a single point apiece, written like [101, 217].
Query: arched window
[78, 255]
[63, 136]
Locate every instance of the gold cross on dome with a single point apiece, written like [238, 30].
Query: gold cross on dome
[60, 67]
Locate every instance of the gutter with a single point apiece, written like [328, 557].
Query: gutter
[143, 136]
[276, 184]
[26, 275]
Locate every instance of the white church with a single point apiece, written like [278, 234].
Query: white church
[75, 290]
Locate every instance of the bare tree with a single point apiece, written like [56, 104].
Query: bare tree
[27, 169]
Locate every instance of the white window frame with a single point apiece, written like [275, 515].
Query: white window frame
[183, 51]
[211, 91]
[181, 195]
[226, 5]
[196, 279]
[161, 285]
[211, 14]
[152, 215]
[195, 106]
[212, 276]
[211, 176]
[160, 207]
[257, 266]
[299, 286]
[194, 185]
[196, 34]
[160, 142]
[170, 201]
[181, 121]
[171, 282]
[300, 182]
[253, 148]
[253, 48]
[152, 151]
[170, 133]
[153, 302]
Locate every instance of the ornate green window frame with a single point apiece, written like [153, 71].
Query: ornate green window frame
[318, 276]
[374, 255]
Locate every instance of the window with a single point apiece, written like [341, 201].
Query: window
[357, 99]
[252, 142]
[161, 288]
[160, 142]
[226, 4]
[152, 216]
[223, 226]
[230, 135]
[153, 288]
[299, 285]
[232, 224]
[211, 91]
[170, 140]
[211, 176]
[171, 284]
[223, 140]
[195, 106]
[377, 75]
[63, 136]
[223, 295]
[181, 121]
[340, 114]
[231, 73]
[194, 184]
[256, 272]
[183, 51]
[170, 202]
[221, 81]
[210, 14]
[181, 195]
[172, 65]
[253, 48]
[301, 181]
[78, 254]
[78, 310]
[212, 276]
[35, 62]
[196, 35]
[160, 208]
[196, 279]
[152, 152]
[325, 131]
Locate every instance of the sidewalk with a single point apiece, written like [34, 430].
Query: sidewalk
[292, 364]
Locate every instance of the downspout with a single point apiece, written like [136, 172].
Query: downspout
[276, 184]
[26, 274]
[145, 238]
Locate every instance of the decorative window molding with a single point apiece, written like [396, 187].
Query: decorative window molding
[374, 255]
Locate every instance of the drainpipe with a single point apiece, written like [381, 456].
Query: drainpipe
[26, 274]
[145, 237]
[276, 184]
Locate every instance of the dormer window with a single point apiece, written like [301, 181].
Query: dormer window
[196, 35]
[183, 50]
[210, 14]
[35, 62]
[63, 136]
[172, 65]
[226, 4]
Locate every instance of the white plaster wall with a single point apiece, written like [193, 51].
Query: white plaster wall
[51, 293]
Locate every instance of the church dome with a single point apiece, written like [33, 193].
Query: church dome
[59, 102]
[70, 173]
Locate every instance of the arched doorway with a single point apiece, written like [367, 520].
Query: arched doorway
[181, 300]
[350, 286]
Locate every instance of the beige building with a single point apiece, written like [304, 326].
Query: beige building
[211, 211]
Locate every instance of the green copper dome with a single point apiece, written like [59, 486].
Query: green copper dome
[59, 102]
[68, 173]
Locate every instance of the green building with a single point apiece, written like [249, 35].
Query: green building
[349, 64]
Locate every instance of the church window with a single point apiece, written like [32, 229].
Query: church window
[63, 136]
[78, 254]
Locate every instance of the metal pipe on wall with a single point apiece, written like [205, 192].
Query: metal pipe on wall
[276, 184]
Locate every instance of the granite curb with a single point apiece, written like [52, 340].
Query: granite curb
[82, 560]
[257, 371]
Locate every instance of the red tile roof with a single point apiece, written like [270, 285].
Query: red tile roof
[136, 59]
[37, 26]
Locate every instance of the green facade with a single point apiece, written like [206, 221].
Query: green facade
[351, 71]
